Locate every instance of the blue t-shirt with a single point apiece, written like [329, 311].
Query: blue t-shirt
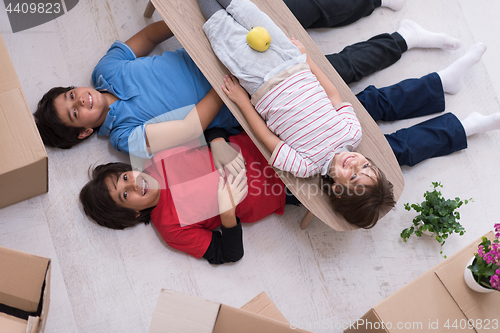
[148, 88]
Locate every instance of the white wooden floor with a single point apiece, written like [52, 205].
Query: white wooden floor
[108, 281]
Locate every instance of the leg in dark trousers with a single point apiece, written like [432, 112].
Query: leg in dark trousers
[435, 137]
[359, 60]
[407, 99]
[411, 98]
[330, 13]
[354, 62]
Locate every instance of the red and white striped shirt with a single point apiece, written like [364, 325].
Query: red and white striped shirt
[312, 131]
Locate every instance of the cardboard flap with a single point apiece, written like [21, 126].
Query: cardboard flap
[405, 305]
[33, 324]
[367, 324]
[264, 307]
[20, 138]
[22, 279]
[185, 19]
[474, 305]
[24, 183]
[232, 320]
[9, 79]
[20, 141]
[46, 301]
[183, 313]
[24, 163]
[11, 324]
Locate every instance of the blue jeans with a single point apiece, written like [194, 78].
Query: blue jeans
[412, 98]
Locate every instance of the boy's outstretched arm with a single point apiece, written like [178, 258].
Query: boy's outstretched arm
[330, 89]
[238, 95]
[143, 42]
[160, 136]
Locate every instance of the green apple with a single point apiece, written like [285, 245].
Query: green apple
[259, 39]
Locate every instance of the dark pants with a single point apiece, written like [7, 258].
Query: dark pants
[330, 13]
[412, 98]
[358, 60]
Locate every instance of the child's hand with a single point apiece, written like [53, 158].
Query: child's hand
[299, 45]
[234, 90]
[225, 156]
[231, 192]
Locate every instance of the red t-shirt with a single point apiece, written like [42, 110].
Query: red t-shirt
[188, 206]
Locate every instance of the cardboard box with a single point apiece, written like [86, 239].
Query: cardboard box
[12, 324]
[24, 166]
[263, 306]
[181, 313]
[437, 301]
[24, 291]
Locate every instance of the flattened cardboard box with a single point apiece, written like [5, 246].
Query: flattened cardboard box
[437, 301]
[24, 162]
[25, 290]
[181, 313]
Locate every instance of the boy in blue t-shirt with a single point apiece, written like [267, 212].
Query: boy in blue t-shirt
[132, 89]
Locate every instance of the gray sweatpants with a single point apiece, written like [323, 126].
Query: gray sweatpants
[227, 31]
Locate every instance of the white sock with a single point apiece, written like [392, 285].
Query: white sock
[451, 76]
[417, 37]
[478, 123]
[393, 4]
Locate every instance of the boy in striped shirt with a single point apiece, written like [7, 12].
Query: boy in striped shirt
[296, 101]
[303, 121]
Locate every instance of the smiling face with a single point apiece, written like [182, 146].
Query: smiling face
[134, 190]
[81, 107]
[349, 168]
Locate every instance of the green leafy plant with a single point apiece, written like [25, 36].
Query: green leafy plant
[436, 215]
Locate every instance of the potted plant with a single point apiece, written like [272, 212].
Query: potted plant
[436, 216]
[483, 271]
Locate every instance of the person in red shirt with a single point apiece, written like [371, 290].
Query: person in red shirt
[185, 197]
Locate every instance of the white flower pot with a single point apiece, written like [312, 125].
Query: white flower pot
[471, 283]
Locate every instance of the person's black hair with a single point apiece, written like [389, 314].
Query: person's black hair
[100, 207]
[53, 132]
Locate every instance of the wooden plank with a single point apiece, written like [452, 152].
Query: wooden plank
[185, 19]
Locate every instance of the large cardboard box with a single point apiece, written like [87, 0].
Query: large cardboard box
[181, 313]
[437, 301]
[23, 160]
[24, 292]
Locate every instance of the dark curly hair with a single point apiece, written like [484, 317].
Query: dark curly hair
[100, 207]
[53, 132]
[362, 207]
